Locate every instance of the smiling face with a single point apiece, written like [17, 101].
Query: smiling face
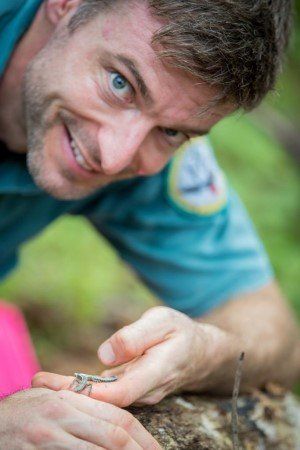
[101, 107]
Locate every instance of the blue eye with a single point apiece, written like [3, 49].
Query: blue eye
[171, 133]
[119, 82]
[175, 137]
[119, 85]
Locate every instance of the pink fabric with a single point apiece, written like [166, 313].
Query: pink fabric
[18, 362]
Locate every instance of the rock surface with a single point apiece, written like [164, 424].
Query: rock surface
[266, 421]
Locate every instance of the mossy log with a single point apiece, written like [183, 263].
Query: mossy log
[265, 421]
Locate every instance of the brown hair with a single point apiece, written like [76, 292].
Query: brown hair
[234, 45]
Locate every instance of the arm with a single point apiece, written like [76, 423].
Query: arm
[165, 351]
[260, 324]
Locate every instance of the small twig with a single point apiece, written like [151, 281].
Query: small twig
[234, 409]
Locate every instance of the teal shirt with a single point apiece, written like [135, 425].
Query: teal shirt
[184, 231]
[15, 16]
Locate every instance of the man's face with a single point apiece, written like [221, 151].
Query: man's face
[101, 107]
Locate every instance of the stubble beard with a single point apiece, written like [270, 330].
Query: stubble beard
[36, 106]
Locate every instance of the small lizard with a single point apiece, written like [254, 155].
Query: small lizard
[82, 380]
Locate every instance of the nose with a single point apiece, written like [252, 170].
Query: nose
[119, 144]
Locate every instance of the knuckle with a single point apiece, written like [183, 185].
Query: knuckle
[119, 438]
[124, 341]
[171, 378]
[53, 409]
[122, 400]
[38, 434]
[64, 394]
[153, 399]
[127, 421]
[161, 312]
[37, 379]
[85, 446]
[125, 398]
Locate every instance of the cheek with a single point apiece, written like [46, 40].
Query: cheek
[78, 94]
[71, 78]
[154, 161]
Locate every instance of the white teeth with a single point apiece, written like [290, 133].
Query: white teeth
[78, 156]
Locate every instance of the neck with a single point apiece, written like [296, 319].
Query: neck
[12, 120]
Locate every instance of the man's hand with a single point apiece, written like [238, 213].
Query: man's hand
[166, 351]
[41, 418]
[160, 353]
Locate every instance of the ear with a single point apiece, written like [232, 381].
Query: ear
[57, 9]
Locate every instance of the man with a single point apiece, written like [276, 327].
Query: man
[96, 96]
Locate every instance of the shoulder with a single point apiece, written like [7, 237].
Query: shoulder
[9, 7]
[194, 181]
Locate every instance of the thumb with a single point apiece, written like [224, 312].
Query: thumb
[133, 340]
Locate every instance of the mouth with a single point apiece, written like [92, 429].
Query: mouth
[79, 157]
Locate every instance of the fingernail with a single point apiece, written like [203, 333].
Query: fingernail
[107, 354]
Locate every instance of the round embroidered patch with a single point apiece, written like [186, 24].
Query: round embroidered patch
[195, 181]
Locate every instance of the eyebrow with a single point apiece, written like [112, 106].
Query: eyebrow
[194, 131]
[132, 67]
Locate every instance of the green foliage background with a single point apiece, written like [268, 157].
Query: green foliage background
[69, 267]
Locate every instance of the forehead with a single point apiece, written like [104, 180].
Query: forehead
[127, 29]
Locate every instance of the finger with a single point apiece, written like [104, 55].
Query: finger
[114, 415]
[117, 371]
[105, 411]
[52, 381]
[68, 441]
[57, 382]
[122, 393]
[153, 397]
[97, 431]
[139, 378]
[42, 436]
[133, 340]
[79, 444]
[135, 380]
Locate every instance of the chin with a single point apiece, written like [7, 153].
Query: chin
[55, 181]
[58, 187]
[62, 189]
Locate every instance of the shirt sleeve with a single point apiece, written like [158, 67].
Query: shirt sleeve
[15, 18]
[189, 238]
